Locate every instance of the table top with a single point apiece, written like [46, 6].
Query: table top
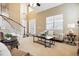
[5, 40]
[48, 37]
[45, 37]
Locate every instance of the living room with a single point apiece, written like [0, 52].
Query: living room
[40, 29]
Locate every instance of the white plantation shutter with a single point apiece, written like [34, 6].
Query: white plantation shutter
[55, 24]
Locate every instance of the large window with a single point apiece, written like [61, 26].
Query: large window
[55, 24]
[32, 26]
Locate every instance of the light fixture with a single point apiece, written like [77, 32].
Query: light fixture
[33, 4]
[38, 4]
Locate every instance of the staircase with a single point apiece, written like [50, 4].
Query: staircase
[10, 26]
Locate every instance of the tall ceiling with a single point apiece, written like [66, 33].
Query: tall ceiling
[42, 7]
[45, 6]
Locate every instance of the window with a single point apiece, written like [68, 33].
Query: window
[32, 26]
[3, 23]
[55, 24]
[58, 22]
[49, 23]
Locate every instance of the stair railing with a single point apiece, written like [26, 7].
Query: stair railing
[7, 18]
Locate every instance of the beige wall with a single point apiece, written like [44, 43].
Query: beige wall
[70, 12]
[14, 11]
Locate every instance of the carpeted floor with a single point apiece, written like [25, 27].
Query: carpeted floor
[60, 49]
[17, 52]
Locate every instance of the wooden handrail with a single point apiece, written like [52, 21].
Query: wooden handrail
[8, 22]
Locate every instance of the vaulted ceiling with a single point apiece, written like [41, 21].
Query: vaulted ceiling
[42, 7]
[45, 6]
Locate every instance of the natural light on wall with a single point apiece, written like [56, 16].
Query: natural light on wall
[71, 25]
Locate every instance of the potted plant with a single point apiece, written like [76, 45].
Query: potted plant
[8, 36]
